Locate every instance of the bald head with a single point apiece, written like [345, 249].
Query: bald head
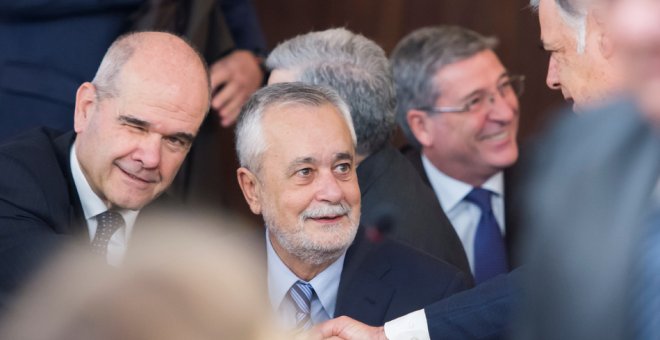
[149, 52]
[136, 122]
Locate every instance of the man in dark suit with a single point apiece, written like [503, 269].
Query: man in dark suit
[394, 199]
[296, 145]
[594, 267]
[134, 124]
[458, 107]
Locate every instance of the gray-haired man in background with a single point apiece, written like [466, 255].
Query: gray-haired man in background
[394, 198]
[584, 64]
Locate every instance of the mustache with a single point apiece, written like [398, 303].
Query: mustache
[326, 210]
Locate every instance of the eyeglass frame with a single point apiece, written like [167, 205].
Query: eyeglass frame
[491, 97]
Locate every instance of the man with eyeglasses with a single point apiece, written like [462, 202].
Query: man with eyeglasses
[458, 106]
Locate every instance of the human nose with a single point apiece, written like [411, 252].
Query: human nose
[148, 151]
[329, 188]
[552, 78]
[502, 108]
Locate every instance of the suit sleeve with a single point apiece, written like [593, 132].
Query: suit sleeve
[483, 312]
[26, 238]
[242, 20]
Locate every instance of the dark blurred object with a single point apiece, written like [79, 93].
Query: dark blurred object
[48, 49]
[596, 173]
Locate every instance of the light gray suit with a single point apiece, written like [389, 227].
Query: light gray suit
[593, 177]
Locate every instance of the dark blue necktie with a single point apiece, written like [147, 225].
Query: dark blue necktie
[489, 250]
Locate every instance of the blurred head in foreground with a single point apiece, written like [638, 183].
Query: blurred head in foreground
[178, 283]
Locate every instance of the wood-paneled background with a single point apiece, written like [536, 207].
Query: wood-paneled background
[387, 21]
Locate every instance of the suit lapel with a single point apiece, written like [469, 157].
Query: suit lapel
[62, 151]
[362, 294]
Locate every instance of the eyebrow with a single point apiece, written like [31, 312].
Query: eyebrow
[311, 160]
[134, 121]
[300, 161]
[340, 156]
[503, 75]
[187, 137]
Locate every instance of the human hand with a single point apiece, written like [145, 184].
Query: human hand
[346, 328]
[239, 75]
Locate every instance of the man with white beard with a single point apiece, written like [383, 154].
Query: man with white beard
[296, 146]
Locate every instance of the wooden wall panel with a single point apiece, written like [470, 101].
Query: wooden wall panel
[387, 21]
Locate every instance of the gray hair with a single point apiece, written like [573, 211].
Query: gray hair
[250, 142]
[356, 67]
[119, 53]
[574, 14]
[419, 56]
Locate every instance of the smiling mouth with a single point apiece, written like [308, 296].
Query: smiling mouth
[327, 219]
[136, 178]
[500, 136]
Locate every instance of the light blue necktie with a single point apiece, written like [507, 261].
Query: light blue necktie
[645, 311]
[301, 294]
[490, 257]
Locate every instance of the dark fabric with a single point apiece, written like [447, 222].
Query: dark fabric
[596, 172]
[39, 205]
[512, 197]
[396, 202]
[489, 250]
[483, 312]
[48, 49]
[384, 279]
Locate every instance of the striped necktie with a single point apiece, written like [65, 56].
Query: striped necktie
[301, 295]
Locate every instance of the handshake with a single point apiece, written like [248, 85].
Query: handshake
[343, 328]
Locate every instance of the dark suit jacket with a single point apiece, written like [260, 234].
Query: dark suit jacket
[383, 280]
[396, 201]
[48, 49]
[511, 200]
[599, 170]
[483, 312]
[39, 205]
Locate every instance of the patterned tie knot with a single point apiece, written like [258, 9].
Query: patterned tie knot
[480, 197]
[108, 223]
[301, 293]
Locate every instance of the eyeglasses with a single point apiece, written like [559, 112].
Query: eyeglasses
[507, 88]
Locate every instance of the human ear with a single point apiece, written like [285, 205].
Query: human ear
[419, 124]
[86, 102]
[250, 186]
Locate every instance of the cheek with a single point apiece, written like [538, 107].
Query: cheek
[170, 163]
[352, 192]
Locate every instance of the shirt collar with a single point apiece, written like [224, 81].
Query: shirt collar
[281, 278]
[451, 191]
[91, 203]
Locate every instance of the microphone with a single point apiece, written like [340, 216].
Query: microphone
[380, 223]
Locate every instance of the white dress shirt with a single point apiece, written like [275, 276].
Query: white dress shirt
[92, 206]
[281, 278]
[464, 215]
